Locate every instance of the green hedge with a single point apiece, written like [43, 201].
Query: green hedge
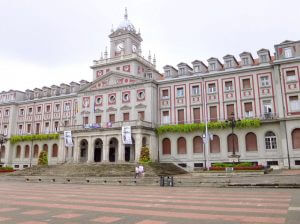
[186, 128]
[22, 138]
[244, 164]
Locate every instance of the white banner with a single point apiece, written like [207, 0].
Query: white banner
[126, 135]
[68, 138]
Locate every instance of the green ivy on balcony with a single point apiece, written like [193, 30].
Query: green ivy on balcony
[187, 128]
[22, 138]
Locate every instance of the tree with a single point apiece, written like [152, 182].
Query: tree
[43, 158]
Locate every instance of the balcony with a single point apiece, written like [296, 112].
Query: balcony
[109, 125]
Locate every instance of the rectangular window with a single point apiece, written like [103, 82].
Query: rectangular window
[28, 128]
[228, 86]
[37, 128]
[246, 84]
[197, 68]
[48, 108]
[98, 119]
[39, 109]
[180, 92]
[86, 120]
[213, 113]
[180, 114]
[166, 117]
[112, 118]
[212, 66]
[230, 110]
[47, 127]
[165, 94]
[291, 76]
[248, 109]
[195, 90]
[263, 58]
[264, 81]
[196, 113]
[6, 112]
[57, 107]
[267, 107]
[288, 53]
[20, 129]
[125, 116]
[56, 126]
[212, 88]
[245, 61]
[229, 64]
[294, 103]
[67, 107]
[181, 71]
[168, 73]
[141, 115]
[21, 112]
[5, 131]
[30, 110]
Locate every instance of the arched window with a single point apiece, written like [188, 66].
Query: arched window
[166, 146]
[18, 151]
[270, 140]
[197, 145]
[251, 142]
[35, 151]
[181, 145]
[3, 152]
[215, 144]
[296, 138]
[232, 141]
[54, 150]
[45, 148]
[27, 151]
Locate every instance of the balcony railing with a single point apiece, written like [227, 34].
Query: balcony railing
[108, 125]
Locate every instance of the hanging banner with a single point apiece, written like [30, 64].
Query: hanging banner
[126, 135]
[68, 138]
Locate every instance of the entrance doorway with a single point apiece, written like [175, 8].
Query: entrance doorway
[130, 152]
[83, 150]
[98, 150]
[113, 150]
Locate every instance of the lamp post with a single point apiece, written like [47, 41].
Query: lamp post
[232, 123]
[3, 140]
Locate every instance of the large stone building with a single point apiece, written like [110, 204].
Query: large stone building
[128, 90]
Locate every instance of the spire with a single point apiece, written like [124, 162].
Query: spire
[154, 61]
[126, 14]
[105, 53]
[149, 57]
[101, 58]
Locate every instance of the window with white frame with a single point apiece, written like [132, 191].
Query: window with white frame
[180, 92]
[48, 109]
[245, 61]
[270, 140]
[228, 86]
[21, 112]
[47, 125]
[57, 107]
[67, 106]
[5, 130]
[30, 110]
[168, 73]
[291, 76]
[20, 129]
[294, 103]
[196, 68]
[263, 58]
[267, 107]
[39, 109]
[195, 90]
[264, 81]
[6, 112]
[229, 64]
[212, 88]
[181, 71]
[165, 94]
[212, 66]
[288, 52]
[165, 117]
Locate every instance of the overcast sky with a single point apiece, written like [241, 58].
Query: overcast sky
[45, 42]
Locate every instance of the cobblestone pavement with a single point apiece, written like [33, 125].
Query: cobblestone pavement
[40, 203]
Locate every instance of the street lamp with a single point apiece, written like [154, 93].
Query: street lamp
[232, 123]
[3, 140]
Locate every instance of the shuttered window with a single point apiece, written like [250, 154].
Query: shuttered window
[251, 142]
[230, 110]
[215, 144]
[141, 115]
[196, 113]
[112, 118]
[166, 145]
[248, 107]
[180, 116]
[98, 119]
[197, 145]
[165, 93]
[246, 84]
[181, 145]
[125, 116]
[213, 113]
[232, 141]
[296, 138]
[86, 120]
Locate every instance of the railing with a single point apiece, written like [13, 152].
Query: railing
[108, 125]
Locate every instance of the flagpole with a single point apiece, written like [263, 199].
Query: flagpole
[206, 133]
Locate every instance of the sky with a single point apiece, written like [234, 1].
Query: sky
[46, 42]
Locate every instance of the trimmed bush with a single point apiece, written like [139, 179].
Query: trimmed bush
[39, 137]
[187, 128]
[43, 159]
[145, 155]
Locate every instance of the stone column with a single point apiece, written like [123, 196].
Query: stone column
[138, 146]
[105, 149]
[61, 151]
[76, 150]
[90, 151]
[120, 149]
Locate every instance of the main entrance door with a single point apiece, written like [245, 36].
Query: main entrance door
[98, 150]
[113, 150]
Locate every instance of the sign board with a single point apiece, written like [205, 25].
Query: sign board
[68, 138]
[126, 135]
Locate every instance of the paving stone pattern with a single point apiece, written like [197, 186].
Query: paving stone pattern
[40, 203]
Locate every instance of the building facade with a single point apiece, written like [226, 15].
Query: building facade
[128, 90]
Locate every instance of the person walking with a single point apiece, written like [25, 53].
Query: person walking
[137, 171]
[141, 170]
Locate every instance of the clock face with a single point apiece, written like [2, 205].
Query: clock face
[120, 46]
[134, 48]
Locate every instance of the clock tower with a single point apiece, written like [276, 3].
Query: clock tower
[125, 40]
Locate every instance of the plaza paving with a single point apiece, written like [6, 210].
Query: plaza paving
[41, 203]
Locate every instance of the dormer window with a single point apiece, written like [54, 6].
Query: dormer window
[197, 68]
[213, 66]
[263, 58]
[245, 61]
[180, 92]
[168, 73]
[288, 52]
[181, 71]
[229, 64]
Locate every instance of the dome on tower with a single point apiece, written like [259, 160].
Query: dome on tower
[126, 24]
